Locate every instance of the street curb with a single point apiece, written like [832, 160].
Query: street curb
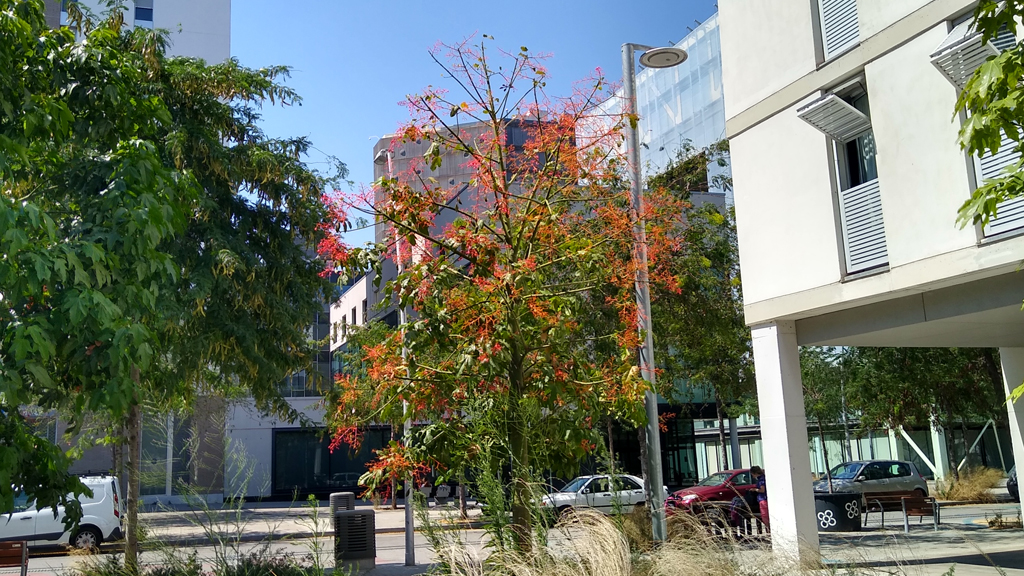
[193, 542]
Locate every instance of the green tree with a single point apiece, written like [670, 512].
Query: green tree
[822, 373]
[912, 387]
[157, 244]
[701, 338]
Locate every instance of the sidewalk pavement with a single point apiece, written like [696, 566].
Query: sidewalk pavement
[253, 524]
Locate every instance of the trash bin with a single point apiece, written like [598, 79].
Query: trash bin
[838, 512]
[354, 539]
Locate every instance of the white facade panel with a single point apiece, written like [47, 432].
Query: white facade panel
[784, 208]
[877, 15]
[762, 60]
[248, 465]
[922, 171]
[198, 28]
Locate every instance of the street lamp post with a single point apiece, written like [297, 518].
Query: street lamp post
[651, 58]
[384, 156]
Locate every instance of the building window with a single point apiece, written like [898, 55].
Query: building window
[840, 30]
[845, 117]
[144, 13]
[957, 58]
[354, 323]
[366, 311]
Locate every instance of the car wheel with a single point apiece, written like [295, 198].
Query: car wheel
[919, 493]
[87, 538]
[564, 512]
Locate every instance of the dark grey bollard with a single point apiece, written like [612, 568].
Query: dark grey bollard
[355, 539]
[342, 501]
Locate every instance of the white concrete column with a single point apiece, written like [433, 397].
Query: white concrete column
[1013, 376]
[940, 453]
[896, 451]
[787, 462]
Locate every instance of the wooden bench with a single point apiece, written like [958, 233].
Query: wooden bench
[907, 502]
[14, 555]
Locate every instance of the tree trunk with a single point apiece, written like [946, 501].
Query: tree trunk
[724, 455]
[995, 377]
[967, 447]
[463, 508]
[611, 445]
[521, 520]
[824, 454]
[134, 457]
[641, 434]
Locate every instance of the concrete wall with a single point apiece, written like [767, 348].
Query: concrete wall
[922, 172]
[784, 208]
[248, 465]
[199, 28]
[765, 46]
[785, 191]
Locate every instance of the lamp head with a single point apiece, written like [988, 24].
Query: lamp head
[664, 57]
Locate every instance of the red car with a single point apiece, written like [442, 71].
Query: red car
[719, 487]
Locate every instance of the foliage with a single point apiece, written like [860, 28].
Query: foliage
[525, 323]
[156, 243]
[822, 371]
[993, 101]
[973, 485]
[893, 387]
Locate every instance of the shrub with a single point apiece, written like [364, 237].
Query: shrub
[975, 485]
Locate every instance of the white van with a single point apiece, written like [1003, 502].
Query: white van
[101, 518]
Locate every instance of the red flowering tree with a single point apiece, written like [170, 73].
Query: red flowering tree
[520, 285]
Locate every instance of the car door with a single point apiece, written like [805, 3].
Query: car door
[741, 483]
[875, 478]
[49, 526]
[599, 495]
[900, 477]
[630, 493]
[20, 523]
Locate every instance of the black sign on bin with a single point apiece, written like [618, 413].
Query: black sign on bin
[354, 536]
[838, 512]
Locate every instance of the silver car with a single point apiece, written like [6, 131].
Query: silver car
[870, 476]
[602, 493]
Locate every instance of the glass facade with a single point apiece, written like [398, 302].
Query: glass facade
[682, 105]
[305, 464]
[308, 383]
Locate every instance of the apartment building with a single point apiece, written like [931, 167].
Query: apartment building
[848, 177]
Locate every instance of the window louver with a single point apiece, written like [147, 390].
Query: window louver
[1009, 214]
[839, 26]
[957, 58]
[863, 227]
[961, 53]
[835, 117]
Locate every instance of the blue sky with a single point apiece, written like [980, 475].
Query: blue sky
[355, 60]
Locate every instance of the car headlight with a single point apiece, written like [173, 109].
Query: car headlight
[688, 498]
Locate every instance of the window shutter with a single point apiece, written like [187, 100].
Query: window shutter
[835, 117]
[863, 227]
[957, 58]
[839, 27]
[961, 53]
[1009, 214]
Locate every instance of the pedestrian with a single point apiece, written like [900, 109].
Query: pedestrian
[761, 489]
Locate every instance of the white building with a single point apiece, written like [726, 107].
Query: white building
[848, 177]
[197, 28]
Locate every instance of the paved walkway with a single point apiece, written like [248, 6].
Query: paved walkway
[964, 540]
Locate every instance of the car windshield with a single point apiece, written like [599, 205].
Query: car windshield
[575, 485]
[847, 471]
[716, 479]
